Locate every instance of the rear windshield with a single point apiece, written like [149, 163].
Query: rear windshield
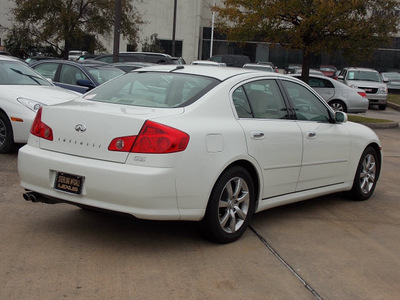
[153, 89]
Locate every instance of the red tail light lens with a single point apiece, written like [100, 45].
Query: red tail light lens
[362, 94]
[158, 138]
[152, 138]
[40, 129]
[123, 144]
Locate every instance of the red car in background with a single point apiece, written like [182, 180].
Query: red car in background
[328, 70]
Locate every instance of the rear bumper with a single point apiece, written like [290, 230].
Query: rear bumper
[144, 192]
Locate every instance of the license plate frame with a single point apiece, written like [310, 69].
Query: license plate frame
[69, 183]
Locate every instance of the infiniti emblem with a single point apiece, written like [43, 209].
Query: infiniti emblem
[80, 128]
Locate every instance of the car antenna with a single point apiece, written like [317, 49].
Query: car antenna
[180, 67]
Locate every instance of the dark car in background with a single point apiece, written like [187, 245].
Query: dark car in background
[231, 60]
[149, 57]
[74, 75]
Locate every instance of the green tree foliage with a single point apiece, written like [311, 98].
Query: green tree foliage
[152, 45]
[64, 23]
[354, 27]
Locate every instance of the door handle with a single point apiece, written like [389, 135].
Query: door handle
[257, 135]
[311, 134]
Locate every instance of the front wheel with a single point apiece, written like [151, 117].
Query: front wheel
[6, 134]
[230, 207]
[382, 106]
[367, 175]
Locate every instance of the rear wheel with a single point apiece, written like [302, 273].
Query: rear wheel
[6, 134]
[382, 106]
[338, 105]
[367, 175]
[230, 207]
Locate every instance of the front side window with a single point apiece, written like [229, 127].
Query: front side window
[153, 89]
[319, 83]
[71, 74]
[103, 74]
[306, 105]
[261, 99]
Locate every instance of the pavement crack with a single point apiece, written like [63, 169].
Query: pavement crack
[280, 258]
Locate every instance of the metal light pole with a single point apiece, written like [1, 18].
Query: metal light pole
[212, 31]
[173, 31]
[117, 29]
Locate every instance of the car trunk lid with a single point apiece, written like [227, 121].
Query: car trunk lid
[85, 128]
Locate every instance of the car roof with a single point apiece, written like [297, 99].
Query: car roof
[360, 69]
[79, 63]
[217, 73]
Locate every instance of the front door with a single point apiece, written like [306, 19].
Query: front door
[326, 145]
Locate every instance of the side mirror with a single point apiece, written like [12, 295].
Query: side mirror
[86, 83]
[340, 77]
[340, 117]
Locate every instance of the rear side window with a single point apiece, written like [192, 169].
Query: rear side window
[153, 89]
[261, 99]
[320, 83]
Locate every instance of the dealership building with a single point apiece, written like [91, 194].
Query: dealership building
[193, 36]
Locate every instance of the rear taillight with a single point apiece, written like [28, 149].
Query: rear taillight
[362, 94]
[123, 144]
[153, 138]
[40, 129]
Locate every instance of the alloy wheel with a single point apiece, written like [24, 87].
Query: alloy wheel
[368, 174]
[234, 205]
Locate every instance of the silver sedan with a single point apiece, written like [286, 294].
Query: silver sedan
[339, 96]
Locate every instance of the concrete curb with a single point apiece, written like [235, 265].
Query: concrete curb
[382, 125]
[393, 105]
[387, 125]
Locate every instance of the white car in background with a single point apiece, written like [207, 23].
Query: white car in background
[183, 143]
[339, 96]
[368, 80]
[22, 92]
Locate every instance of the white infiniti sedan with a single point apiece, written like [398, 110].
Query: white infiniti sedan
[185, 143]
[22, 92]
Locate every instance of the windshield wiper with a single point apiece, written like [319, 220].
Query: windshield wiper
[33, 77]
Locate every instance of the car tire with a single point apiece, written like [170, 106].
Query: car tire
[230, 207]
[6, 134]
[338, 105]
[382, 106]
[367, 175]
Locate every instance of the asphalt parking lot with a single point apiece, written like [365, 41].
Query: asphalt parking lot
[325, 248]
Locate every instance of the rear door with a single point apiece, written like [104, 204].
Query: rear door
[272, 138]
